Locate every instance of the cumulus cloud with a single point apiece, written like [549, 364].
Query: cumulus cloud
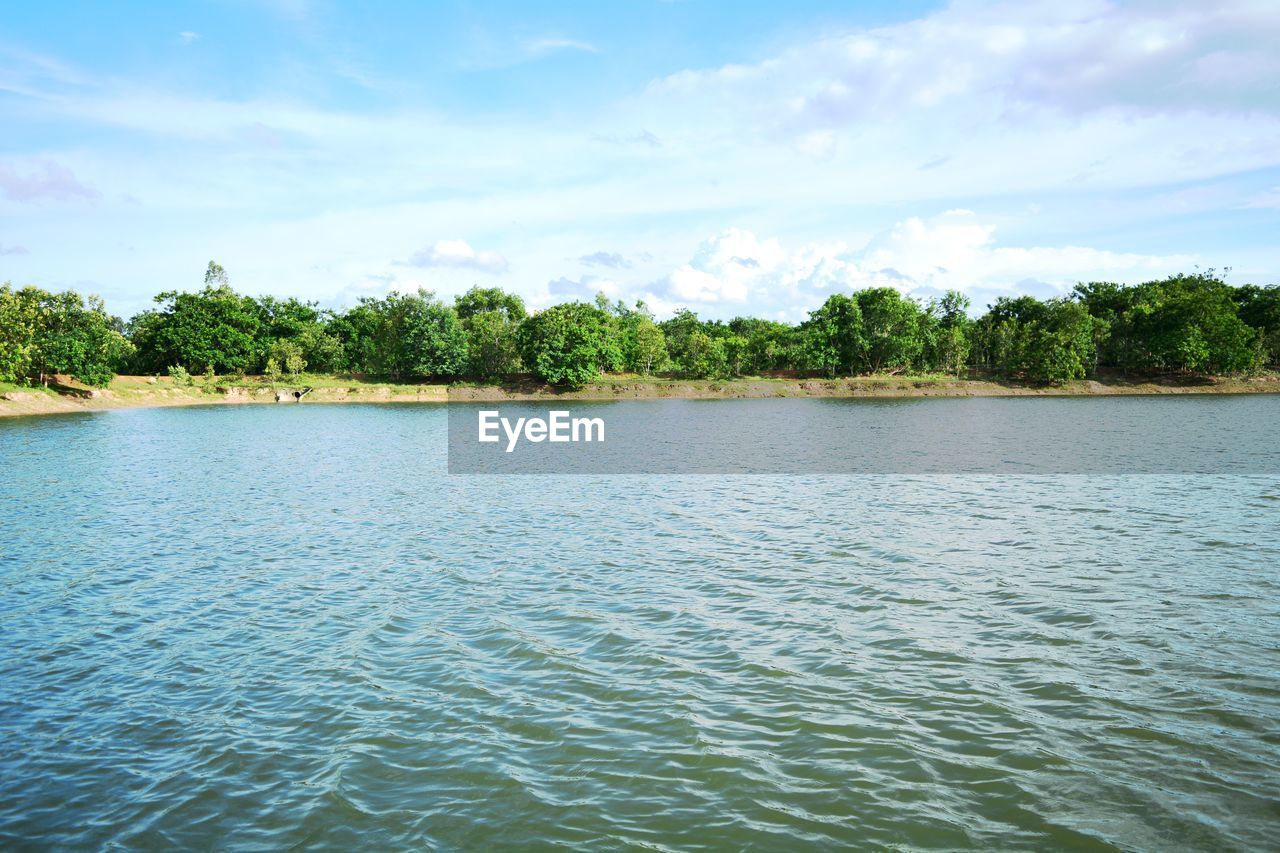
[644, 137]
[953, 250]
[613, 260]
[458, 254]
[957, 251]
[1144, 121]
[46, 180]
[1179, 55]
[724, 268]
[13, 250]
[187, 36]
[542, 46]
[584, 288]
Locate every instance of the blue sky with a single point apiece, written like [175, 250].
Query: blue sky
[735, 158]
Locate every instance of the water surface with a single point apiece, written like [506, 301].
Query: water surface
[267, 626]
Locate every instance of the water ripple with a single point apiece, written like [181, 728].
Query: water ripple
[269, 627]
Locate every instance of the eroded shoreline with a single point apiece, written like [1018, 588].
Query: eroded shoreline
[144, 392]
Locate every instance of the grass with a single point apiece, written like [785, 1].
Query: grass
[39, 389]
[312, 380]
[141, 387]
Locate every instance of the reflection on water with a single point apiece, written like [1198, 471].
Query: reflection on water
[265, 627]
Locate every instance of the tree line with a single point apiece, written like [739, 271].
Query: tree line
[1185, 324]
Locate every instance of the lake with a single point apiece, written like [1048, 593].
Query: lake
[265, 626]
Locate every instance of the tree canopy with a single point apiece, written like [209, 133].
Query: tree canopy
[1194, 323]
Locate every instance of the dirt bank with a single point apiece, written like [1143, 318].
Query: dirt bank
[65, 395]
[128, 392]
[644, 389]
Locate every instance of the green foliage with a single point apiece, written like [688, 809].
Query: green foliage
[19, 318]
[762, 345]
[432, 340]
[44, 333]
[302, 324]
[646, 347]
[286, 355]
[1059, 346]
[321, 350]
[215, 327]
[491, 345]
[948, 333]
[1259, 307]
[705, 356]
[490, 318]
[677, 331]
[180, 375]
[832, 338]
[480, 300]
[1187, 323]
[570, 344]
[403, 335]
[892, 326]
[1050, 341]
[215, 275]
[643, 343]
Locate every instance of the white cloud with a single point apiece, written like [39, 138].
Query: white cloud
[43, 180]
[954, 250]
[724, 268]
[1269, 199]
[1071, 57]
[543, 46]
[1138, 121]
[565, 289]
[187, 36]
[613, 260]
[457, 253]
[957, 251]
[644, 137]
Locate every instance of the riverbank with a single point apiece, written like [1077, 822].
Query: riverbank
[128, 392]
[66, 395]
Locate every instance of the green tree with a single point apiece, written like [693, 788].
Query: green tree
[833, 337]
[1259, 307]
[479, 300]
[402, 335]
[491, 318]
[1059, 345]
[285, 355]
[706, 357]
[302, 324]
[1049, 341]
[364, 334]
[891, 330]
[320, 348]
[645, 345]
[215, 275]
[949, 333]
[767, 345]
[76, 336]
[432, 340]
[678, 331]
[1190, 323]
[569, 344]
[19, 316]
[216, 327]
[491, 344]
